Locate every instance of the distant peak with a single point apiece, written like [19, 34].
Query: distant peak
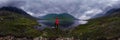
[14, 9]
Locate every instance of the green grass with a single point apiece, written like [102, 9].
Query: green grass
[98, 28]
[17, 25]
[106, 27]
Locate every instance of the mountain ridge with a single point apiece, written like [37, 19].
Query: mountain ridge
[13, 23]
[17, 10]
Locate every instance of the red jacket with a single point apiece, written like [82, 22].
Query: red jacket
[56, 21]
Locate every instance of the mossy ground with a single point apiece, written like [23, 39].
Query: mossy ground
[15, 24]
[98, 28]
[106, 27]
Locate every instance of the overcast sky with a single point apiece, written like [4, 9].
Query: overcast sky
[81, 9]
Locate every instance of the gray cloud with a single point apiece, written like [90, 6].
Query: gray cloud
[81, 9]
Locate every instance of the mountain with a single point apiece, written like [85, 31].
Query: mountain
[48, 16]
[15, 22]
[60, 16]
[17, 10]
[65, 19]
[66, 16]
[14, 9]
[110, 12]
[102, 28]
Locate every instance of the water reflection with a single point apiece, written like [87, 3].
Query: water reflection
[66, 21]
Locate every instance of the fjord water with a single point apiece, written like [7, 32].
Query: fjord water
[65, 20]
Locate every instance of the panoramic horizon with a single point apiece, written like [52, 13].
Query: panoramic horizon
[81, 9]
[59, 19]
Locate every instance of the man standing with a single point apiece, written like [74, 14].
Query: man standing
[56, 22]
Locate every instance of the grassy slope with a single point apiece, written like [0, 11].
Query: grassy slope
[106, 27]
[18, 25]
[15, 24]
[100, 28]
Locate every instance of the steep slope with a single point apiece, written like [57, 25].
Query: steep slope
[14, 9]
[17, 10]
[111, 12]
[14, 22]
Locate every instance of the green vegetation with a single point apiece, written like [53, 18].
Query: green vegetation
[106, 27]
[101, 28]
[16, 24]
[55, 33]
